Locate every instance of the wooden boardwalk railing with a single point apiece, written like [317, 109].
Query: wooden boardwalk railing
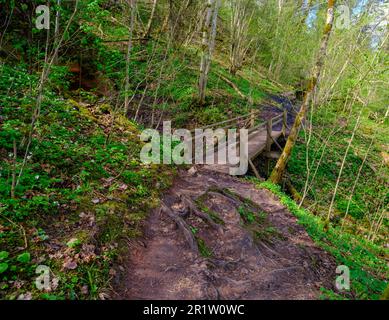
[262, 135]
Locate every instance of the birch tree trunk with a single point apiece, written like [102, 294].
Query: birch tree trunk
[280, 167]
[132, 4]
[208, 45]
[240, 23]
[150, 22]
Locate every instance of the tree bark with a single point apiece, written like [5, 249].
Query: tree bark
[56, 30]
[150, 22]
[240, 22]
[132, 4]
[280, 167]
[208, 45]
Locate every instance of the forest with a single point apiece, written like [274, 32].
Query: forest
[116, 117]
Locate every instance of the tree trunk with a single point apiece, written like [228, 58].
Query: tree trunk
[132, 4]
[280, 167]
[208, 45]
[241, 17]
[150, 22]
[56, 30]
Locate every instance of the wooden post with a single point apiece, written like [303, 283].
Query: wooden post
[284, 122]
[269, 142]
[252, 119]
[254, 169]
[269, 130]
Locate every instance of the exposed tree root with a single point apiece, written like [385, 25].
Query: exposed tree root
[183, 226]
[194, 261]
[230, 199]
[292, 190]
[194, 210]
[227, 265]
[237, 199]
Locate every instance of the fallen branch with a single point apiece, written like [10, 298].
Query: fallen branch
[21, 228]
[235, 87]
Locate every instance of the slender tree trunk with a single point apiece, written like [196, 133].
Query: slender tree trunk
[330, 209]
[43, 78]
[355, 183]
[280, 4]
[132, 4]
[280, 167]
[56, 30]
[241, 18]
[150, 22]
[13, 184]
[208, 45]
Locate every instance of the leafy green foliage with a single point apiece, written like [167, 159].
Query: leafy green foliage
[365, 260]
[23, 257]
[69, 159]
[325, 155]
[80, 171]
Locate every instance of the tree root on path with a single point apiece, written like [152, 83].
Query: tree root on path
[202, 215]
[237, 199]
[226, 265]
[179, 218]
[183, 226]
[228, 198]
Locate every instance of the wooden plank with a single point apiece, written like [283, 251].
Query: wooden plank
[218, 124]
[254, 169]
[269, 130]
[257, 146]
[284, 122]
[272, 154]
[261, 138]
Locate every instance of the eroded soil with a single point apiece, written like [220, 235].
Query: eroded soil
[246, 246]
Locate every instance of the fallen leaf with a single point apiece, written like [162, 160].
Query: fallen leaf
[70, 265]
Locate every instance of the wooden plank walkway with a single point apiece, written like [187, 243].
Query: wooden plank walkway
[261, 139]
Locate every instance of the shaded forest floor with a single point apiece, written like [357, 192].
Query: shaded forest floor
[234, 241]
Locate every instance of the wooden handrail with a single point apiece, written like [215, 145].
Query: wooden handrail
[250, 118]
[276, 120]
[246, 116]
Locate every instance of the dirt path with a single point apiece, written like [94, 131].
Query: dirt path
[246, 246]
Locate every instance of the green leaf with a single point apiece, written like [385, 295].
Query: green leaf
[3, 255]
[3, 267]
[73, 243]
[24, 257]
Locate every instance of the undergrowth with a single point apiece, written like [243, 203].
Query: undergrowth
[81, 182]
[368, 267]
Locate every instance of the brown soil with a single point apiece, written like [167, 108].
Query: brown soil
[271, 258]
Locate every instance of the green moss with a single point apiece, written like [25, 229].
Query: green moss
[203, 249]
